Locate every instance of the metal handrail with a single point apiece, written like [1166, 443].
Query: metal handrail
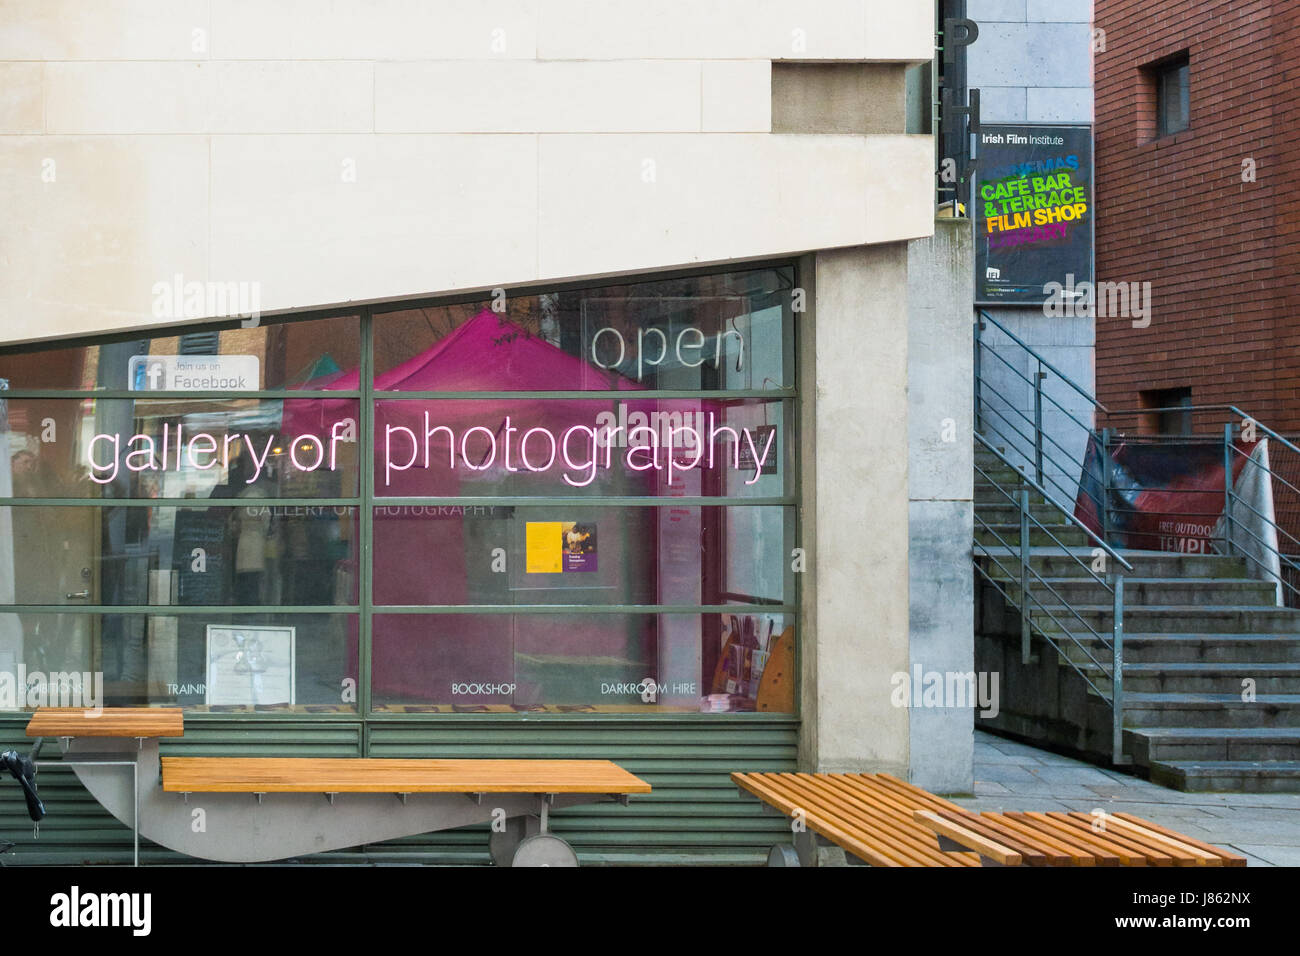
[1237, 538]
[1046, 364]
[1022, 578]
[1208, 408]
[1030, 382]
[1069, 515]
[1015, 434]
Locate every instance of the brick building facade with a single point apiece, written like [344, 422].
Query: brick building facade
[1201, 214]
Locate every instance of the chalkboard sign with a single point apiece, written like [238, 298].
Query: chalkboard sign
[1032, 205]
[205, 581]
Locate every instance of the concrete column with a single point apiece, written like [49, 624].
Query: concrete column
[941, 507]
[855, 517]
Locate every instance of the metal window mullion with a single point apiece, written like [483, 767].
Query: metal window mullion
[178, 502]
[169, 610]
[593, 394]
[563, 501]
[365, 586]
[784, 608]
[119, 394]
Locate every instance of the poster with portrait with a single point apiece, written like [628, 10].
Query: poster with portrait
[1032, 205]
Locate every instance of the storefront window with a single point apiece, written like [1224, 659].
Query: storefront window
[579, 500]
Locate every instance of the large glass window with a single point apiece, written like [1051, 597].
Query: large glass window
[577, 500]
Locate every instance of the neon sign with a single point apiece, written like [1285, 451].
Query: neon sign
[143, 452]
[537, 448]
[670, 442]
[696, 343]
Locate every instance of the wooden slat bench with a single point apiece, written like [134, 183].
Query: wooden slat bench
[1076, 839]
[867, 815]
[143, 722]
[381, 775]
[884, 821]
[525, 791]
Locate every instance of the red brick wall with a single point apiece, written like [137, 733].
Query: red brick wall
[1221, 254]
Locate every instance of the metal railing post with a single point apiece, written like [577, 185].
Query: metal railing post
[979, 382]
[1038, 423]
[1023, 499]
[1117, 670]
[1227, 488]
[1103, 506]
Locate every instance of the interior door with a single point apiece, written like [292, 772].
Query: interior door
[56, 563]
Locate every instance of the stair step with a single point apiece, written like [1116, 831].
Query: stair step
[1066, 535]
[1144, 592]
[1200, 677]
[1223, 776]
[995, 493]
[1166, 744]
[1191, 648]
[1177, 619]
[1052, 562]
[1007, 512]
[1210, 710]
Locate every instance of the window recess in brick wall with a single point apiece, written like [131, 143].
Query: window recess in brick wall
[1164, 103]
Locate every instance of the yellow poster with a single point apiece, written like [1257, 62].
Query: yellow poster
[544, 547]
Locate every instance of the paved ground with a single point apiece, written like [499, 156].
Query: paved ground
[1265, 827]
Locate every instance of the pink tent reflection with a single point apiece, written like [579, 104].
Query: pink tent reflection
[456, 448]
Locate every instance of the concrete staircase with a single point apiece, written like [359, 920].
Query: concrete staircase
[1212, 664]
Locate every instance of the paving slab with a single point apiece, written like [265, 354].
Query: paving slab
[1009, 775]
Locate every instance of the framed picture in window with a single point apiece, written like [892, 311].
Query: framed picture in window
[250, 666]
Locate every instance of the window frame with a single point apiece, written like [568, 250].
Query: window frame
[366, 500]
[1177, 66]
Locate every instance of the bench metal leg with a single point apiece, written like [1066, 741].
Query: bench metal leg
[503, 844]
[523, 844]
[544, 849]
[808, 849]
[526, 842]
[782, 855]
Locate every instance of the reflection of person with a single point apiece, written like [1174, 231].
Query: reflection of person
[252, 529]
[252, 536]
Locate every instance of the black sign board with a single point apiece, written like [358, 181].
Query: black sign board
[1033, 210]
[205, 578]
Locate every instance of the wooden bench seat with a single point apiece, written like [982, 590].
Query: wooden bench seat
[1076, 839]
[888, 822]
[868, 815]
[147, 722]
[382, 775]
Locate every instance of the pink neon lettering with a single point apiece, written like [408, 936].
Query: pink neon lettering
[192, 451]
[252, 450]
[95, 467]
[758, 466]
[523, 449]
[492, 448]
[509, 429]
[652, 447]
[685, 430]
[302, 441]
[678, 433]
[592, 464]
[428, 438]
[349, 429]
[389, 465]
[735, 442]
[147, 450]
